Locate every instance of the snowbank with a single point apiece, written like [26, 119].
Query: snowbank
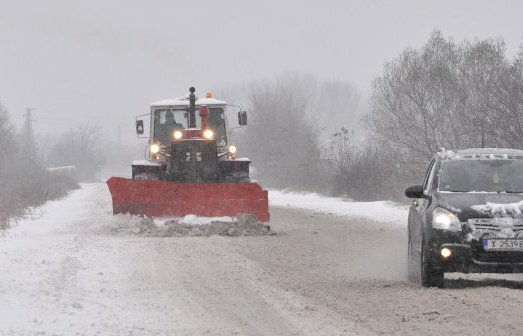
[193, 220]
[190, 225]
[54, 214]
[381, 211]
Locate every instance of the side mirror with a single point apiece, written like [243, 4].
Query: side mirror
[139, 127]
[415, 191]
[242, 118]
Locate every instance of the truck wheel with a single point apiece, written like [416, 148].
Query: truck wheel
[430, 277]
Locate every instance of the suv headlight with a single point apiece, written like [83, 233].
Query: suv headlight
[443, 219]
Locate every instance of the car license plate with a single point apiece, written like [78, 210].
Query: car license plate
[503, 244]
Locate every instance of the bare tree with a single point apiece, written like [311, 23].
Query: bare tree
[445, 94]
[80, 148]
[417, 102]
[281, 138]
[507, 96]
[341, 149]
[482, 73]
[7, 138]
[8, 156]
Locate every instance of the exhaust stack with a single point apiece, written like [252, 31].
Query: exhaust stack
[192, 108]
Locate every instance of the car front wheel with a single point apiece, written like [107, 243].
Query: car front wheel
[413, 260]
[430, 277]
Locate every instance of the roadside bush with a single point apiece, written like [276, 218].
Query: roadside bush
[364, 172]
[24, 182]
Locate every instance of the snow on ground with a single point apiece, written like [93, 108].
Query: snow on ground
[53, 214]
[382, 211]
[188, 226]
[62, 273]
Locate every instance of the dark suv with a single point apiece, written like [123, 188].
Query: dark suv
[467, 216]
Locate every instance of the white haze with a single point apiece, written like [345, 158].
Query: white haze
[102, 62]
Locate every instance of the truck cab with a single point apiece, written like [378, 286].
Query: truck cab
[190, 141]
[168, 116]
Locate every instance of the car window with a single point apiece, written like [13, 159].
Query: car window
[429, 177]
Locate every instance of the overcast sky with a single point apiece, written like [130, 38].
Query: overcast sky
[104, 61]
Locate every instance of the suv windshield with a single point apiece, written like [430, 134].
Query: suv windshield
[166, 120]
[504, 175]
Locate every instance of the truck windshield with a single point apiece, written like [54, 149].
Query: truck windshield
[504, 175]
[167, 120]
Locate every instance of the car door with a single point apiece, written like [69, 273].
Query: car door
[418, 208]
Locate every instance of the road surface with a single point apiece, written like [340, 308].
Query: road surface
[66, 273]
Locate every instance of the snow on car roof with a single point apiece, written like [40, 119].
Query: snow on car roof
[481, 153]
[184, 101]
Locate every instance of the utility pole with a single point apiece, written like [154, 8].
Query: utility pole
[28, 124]
[28, 140]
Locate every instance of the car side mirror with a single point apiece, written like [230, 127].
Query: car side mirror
[415, 191]
[139, 127]
[242, 118]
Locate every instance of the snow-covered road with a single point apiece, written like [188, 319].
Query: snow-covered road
[63, 273]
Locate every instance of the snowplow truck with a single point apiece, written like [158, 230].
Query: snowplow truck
[190, 165]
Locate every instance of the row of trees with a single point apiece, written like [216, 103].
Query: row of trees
[301, 130]
[24, 181]
[31, 174]
[445, 94]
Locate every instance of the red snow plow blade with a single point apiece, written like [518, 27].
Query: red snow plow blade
[172, 199]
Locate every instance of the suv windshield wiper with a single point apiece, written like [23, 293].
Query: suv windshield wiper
[512, 192]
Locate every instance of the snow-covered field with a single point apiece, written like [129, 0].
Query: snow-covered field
[333, 268]
[382, 211]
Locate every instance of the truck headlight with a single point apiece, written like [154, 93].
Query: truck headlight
[155, 148]
[208, 134]
[232, 152]
[443, 219]
[178, 135]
